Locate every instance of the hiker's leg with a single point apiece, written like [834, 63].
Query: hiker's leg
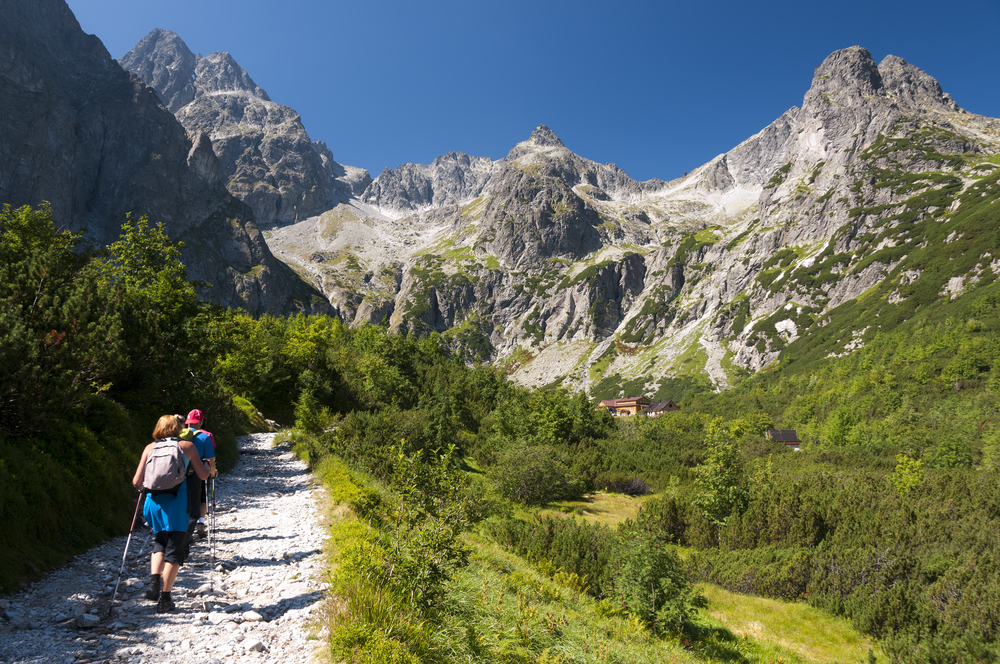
[173, 557]
[156, 562]
[169, 576]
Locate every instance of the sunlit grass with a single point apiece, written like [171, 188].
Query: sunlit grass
[811, 634]
[609, 509]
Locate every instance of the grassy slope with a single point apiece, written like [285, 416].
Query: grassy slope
[811, 634]
[501, 608]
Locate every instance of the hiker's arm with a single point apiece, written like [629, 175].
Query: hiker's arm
[141, 469]
[191, 452]
[212, 471]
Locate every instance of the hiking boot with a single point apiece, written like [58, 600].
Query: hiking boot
[165, 605]
[202, 531]
[153, 592]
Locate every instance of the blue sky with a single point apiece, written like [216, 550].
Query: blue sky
[659, 88]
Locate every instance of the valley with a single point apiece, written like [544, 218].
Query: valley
[820, 303]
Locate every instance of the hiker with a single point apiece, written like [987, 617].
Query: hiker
[166, 509]
[205, 442]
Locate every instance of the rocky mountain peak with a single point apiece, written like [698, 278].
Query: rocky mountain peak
[543, 141]
[912, 86]
[847, 74]
[219, 72]
[449, 180]
[266, 158]
[545, 137]
[167, 65]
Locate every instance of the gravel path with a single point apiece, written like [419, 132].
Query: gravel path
[254, 606]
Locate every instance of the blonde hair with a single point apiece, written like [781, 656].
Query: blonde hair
[166, 427]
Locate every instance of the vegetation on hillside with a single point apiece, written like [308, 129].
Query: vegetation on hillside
[889, 516]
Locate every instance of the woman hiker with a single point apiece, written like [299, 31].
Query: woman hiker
[166, 510]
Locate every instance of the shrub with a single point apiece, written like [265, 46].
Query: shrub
[535, 475]
[650, 581]
[767, 571]
[632, 486]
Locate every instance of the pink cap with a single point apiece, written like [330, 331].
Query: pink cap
[194, 417]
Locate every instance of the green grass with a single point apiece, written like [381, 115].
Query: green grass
[609, 509]
[812, 635]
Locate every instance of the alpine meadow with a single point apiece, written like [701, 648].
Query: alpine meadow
[751, 414]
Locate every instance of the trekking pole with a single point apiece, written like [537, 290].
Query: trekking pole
[121, 569]
[211, 522]
[149, 535]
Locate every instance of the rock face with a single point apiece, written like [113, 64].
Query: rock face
[79, 131]
[450, 179]
[266, 157]
[572, 272]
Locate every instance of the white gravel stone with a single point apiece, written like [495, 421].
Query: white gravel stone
[267, 551]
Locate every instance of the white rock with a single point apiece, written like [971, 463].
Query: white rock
[203, 589]
[217, 617]
[252, 616]
[240, 576]
[253, 644]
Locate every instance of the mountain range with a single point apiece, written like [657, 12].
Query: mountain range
[875, 197]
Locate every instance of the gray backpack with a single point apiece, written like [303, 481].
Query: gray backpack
[165, 467]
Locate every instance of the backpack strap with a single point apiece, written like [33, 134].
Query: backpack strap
[210, 435]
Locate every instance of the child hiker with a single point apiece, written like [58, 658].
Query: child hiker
[205, 442]
[162, 476]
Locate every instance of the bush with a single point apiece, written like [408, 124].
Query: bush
[575, 547]
[650, 581]
[248, 420]
[767, 571]
[631, 486]
[64, 491]
[535, 475]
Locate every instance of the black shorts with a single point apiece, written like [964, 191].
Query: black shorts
[204, 491]
[173, 545]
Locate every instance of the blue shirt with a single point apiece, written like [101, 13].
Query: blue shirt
[203, 443]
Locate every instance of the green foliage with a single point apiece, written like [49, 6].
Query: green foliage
[165, 325]
[64, 488]
[60, 331]
[650, 581]
[766, 571]
[720, 481]
[909, 473]
[249, 419]
[436, 506]
[572, 546]
[534, 475]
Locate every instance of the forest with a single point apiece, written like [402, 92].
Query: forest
[888, 516]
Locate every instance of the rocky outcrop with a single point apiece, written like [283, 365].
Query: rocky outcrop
[267, 159]
[450, 179]
[80, 132]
